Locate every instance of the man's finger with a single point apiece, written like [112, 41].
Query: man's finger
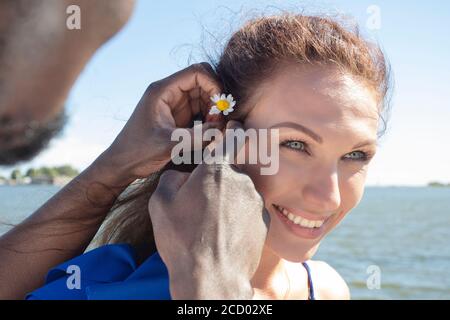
[235, 129]
[198, 81]
[169, 183]
[228, 146]
[232, 156]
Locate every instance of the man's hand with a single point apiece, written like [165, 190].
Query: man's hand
[144, 145]
[78, 210]
[210, 228]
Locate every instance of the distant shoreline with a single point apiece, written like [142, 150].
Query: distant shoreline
[41, 181]
[58, 176]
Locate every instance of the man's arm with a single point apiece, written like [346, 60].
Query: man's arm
[216, 252]
[64, 226]
[61, 229]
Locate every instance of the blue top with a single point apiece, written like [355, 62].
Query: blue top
[111, 273]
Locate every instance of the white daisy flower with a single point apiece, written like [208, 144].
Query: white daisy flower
[222, 103]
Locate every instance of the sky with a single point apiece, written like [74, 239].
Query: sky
[162, 35]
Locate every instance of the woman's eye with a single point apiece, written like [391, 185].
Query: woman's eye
[302, 147]
[356, 155]
[296, 145]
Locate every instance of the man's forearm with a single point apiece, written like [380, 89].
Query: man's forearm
[212, 288]
[201, 278]
[61, 229]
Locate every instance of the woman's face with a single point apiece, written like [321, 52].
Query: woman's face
[328, 125]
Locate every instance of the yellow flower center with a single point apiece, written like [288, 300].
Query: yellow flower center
[222, 105]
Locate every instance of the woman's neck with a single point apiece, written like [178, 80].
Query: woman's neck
[270, 279]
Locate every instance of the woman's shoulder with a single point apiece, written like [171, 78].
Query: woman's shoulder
[328, 283]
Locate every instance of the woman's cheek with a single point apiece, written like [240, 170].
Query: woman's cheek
[262, 183]
[354, 187]
[351, 187]
[277, 187]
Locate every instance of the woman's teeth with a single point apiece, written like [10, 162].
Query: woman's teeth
[299, 220]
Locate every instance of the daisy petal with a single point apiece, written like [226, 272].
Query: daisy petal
[214, 110]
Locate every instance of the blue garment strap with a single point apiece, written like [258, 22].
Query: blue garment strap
[310, 283]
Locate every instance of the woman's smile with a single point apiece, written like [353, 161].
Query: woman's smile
[299, 225]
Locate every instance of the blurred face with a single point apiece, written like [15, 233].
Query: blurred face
[21, 140]
[328, 125]
[33, 87]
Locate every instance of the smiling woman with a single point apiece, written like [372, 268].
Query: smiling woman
[325, 88]
[325, 149]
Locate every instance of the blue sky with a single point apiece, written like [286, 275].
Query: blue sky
[160, 35]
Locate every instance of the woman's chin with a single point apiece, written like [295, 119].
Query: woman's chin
[293, 252]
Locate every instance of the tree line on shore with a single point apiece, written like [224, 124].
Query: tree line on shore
[43, 172]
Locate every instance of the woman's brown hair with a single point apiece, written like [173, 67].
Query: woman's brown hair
[253, 53]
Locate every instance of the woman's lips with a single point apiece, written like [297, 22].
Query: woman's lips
[306, 215]
[302, 231]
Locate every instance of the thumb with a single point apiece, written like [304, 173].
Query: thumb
[229, 156]
[169, 183]
[235, 129]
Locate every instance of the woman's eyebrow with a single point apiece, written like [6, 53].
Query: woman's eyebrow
[299, 127]
[365, 143]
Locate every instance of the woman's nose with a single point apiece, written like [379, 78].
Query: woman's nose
[321, 192]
